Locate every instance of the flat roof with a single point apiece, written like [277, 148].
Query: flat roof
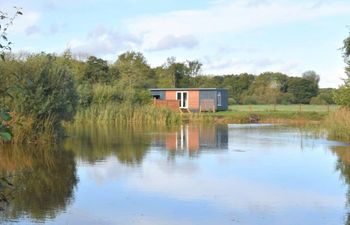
[186, 89]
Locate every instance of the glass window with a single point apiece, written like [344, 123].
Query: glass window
[219, 99]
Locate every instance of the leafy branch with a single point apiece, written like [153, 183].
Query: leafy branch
[5, 44]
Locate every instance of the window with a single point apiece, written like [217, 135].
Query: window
[219, 99]
[182, 96]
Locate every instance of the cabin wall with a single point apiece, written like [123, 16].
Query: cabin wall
[160, 93]
[224, 100]
[193, 100]
[170, 95]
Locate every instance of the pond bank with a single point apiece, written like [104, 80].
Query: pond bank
[261, 117]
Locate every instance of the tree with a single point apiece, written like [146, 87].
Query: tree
[267, 87]
[301, 89]
[135, 75]
[96, 70]
[194, 67]
[342, 95]
[47, 90]
[311, 76]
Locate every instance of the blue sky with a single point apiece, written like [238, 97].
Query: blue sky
[227, 36]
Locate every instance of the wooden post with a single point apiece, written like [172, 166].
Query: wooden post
[328, 108]
[250, 108]
[299, 107]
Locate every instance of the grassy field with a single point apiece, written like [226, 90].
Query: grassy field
[302, 114]
[283, 108]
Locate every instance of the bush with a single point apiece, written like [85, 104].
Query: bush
[85, 94]
[231, 101]
[249, 100]
[317, 101]
[46, 90]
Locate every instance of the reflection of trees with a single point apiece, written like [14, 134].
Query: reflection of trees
[43, 181]
[91, 143]
[343, 166]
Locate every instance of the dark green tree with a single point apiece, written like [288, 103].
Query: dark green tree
[46, 90]
[96, 71]
[342, 95]
[301, 89]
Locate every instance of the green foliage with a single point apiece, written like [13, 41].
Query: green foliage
[96, 71]
[302, 89]
[126, 114]
[5, 128]
[338, 124]
[267, 87]
[85, 93]
[342, 95]
[47, 89]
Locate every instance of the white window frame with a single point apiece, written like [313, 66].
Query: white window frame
[181, 100]
[219, 98]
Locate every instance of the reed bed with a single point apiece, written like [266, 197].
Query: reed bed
[338, 124]
[126, 114]
[28, 129]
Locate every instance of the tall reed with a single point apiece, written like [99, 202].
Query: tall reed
[28, 129]
[338, 124]
[126, 114]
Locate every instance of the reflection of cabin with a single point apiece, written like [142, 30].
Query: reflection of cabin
[191, 99]
[193, 138]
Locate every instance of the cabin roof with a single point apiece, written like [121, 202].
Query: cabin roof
[186, 89]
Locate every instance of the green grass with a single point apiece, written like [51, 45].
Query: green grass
[271, 113]
[283, 108]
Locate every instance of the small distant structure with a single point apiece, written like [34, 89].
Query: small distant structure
[191, 99]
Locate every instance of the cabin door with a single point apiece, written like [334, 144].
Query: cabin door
[183, 97]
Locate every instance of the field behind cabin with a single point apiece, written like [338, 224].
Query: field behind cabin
[284, 108]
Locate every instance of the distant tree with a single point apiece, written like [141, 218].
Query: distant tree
[194, 67]
[311, 76]
[342, 95]
[301, 89]
[96, 71]
[134, 75]
[324, 97]
[267, 87]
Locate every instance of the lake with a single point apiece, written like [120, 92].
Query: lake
[190, 174]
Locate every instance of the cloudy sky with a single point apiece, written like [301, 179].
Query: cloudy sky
[227, 36]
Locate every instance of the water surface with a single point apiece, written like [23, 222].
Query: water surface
[191, 174]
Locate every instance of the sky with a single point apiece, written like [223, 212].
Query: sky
[226, 36]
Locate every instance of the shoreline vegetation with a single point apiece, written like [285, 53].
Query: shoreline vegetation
[47, 92]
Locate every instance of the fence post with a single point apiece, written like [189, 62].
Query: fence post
[299, 107]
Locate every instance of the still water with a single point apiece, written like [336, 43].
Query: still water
[191, 174]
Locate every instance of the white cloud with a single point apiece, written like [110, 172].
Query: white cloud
[229, 17]
[25, 22]
[254, 65]
[171, 41]
[101, 41]
[32, 30]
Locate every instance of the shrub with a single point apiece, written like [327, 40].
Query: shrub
[317, 101]
[46, 90]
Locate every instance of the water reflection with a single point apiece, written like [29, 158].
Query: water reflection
[43, 181]
[343, 166]
[217, 174]
[193, 138]
[93, 144]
